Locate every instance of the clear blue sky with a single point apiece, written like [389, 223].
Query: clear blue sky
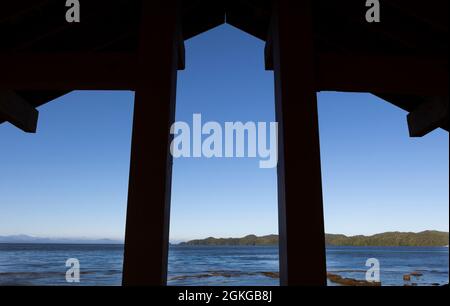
[70, 179]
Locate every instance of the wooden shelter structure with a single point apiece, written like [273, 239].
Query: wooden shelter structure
[320, 45]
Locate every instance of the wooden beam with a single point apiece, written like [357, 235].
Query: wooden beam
[428, 117]
[13, 10]
[90, 71]
[435, 15]
[181, 52]
[382, 74]
[18, 112]
[300, 209]
[268, 52]
[147, 225]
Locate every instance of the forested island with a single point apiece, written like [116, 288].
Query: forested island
[425, 238]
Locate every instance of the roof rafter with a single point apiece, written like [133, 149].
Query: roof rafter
[382, 74]
[68, 71]
[18, 112]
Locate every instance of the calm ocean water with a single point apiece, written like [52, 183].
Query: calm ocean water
[44, 264]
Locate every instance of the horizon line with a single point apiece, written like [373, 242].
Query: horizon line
[176, 241]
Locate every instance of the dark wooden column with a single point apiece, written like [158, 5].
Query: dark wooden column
[301, 228]
[147, 225]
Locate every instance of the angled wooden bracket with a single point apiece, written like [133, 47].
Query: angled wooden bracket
[17, 111]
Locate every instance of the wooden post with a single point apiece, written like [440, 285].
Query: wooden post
[301, 228]
[147, 226]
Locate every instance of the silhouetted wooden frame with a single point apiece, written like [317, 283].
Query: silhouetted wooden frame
[148, 210]
[299, 73]
[300, 209]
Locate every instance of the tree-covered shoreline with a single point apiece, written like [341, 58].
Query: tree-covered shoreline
[425, 238]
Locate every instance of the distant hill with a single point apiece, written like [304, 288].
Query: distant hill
[42, 240]
[247, 240]
[426, 238]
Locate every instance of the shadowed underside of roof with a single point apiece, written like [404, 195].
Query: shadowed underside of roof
[408, 28]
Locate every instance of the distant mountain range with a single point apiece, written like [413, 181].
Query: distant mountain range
[425, 238]
[31, 239]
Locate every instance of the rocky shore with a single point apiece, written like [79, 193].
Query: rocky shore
[332, 277]
[335, 278]
[344, 281]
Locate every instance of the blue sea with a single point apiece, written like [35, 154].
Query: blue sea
[44, 264]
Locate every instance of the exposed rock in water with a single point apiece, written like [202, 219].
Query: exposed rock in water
[416, 274]
[226, 274]
[271, 274]
[332, 277]
[335, 278]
